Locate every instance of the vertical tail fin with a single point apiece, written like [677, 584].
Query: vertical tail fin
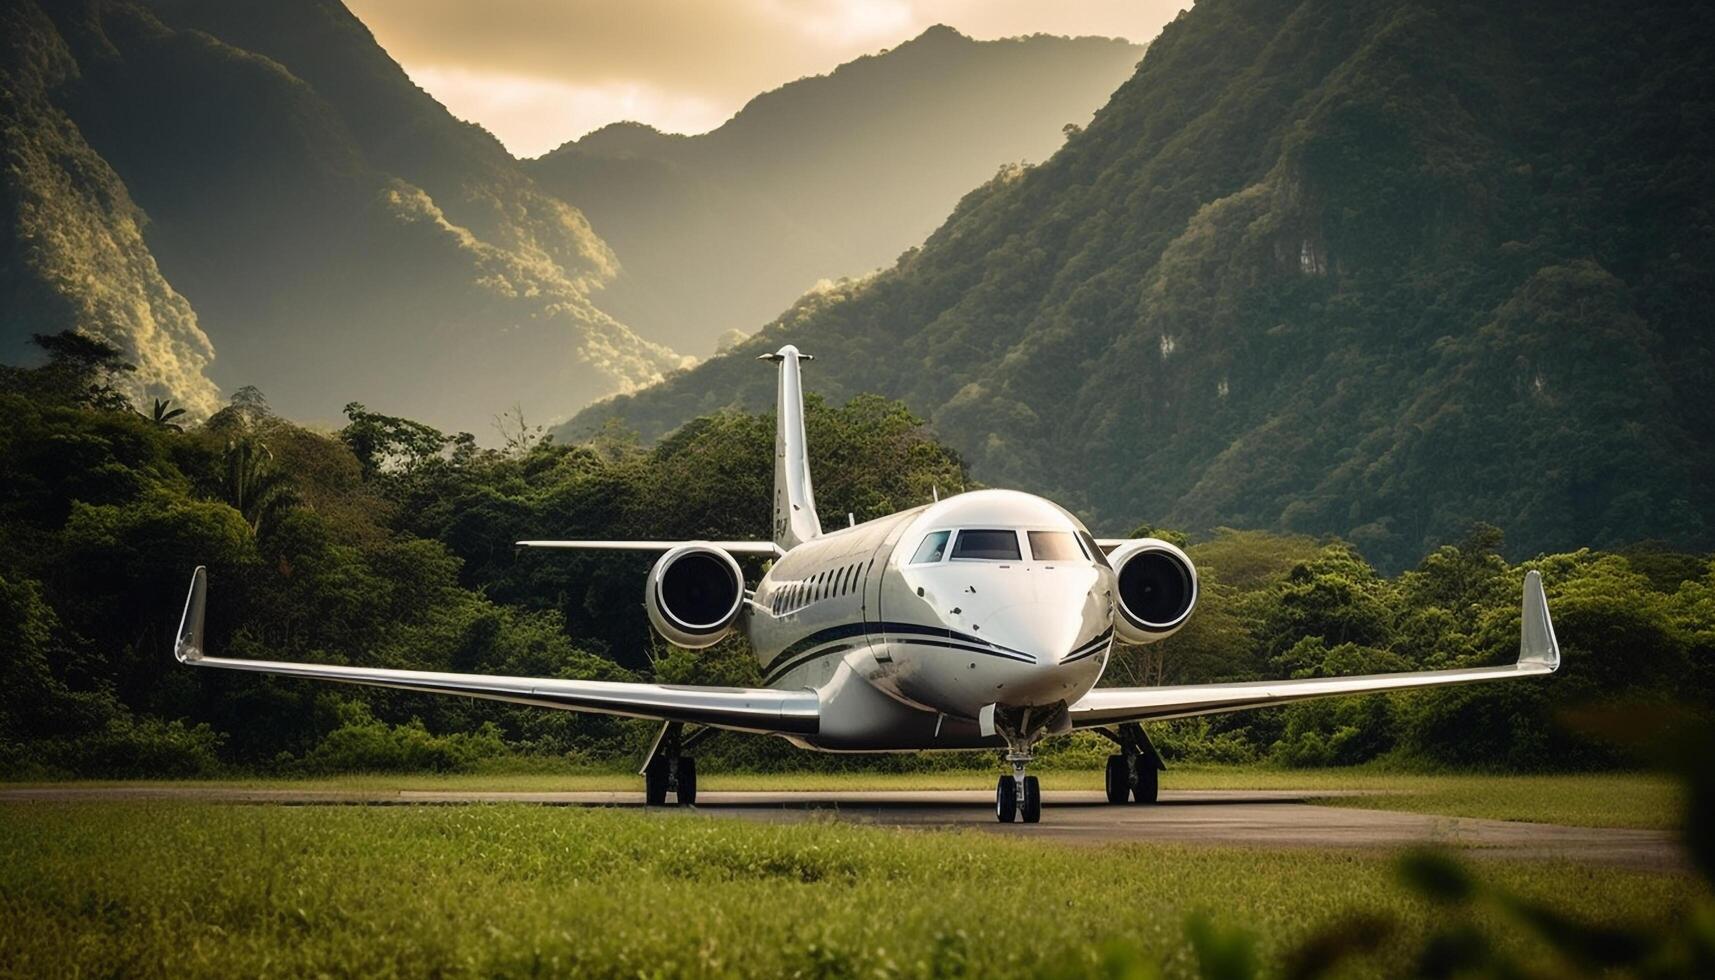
[795, 519]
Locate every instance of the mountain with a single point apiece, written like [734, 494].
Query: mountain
[1376, 269]
[340, 235]
[824, 177]
[73, 255]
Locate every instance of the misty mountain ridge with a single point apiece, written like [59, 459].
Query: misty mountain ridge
[825, 177]
[1376, 270]
[257, 194]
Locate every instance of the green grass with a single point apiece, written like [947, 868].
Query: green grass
[182, 889]
[1588, 800]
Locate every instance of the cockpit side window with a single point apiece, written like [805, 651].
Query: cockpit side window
[932, 548]
[1097, 555]
[987, 545]
[1054, 546]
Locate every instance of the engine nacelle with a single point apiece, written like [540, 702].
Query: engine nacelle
[1157, 589]
[694, 594]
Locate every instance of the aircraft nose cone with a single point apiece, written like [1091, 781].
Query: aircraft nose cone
[1046, 631]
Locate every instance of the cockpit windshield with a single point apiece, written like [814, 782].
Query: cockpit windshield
[1097, 555]
[1054, 546]
[987, 545]
[1004, 544]
[933, 547]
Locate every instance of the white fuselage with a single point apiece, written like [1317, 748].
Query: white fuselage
[906, 643]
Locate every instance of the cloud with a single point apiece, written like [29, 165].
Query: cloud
[539, 72]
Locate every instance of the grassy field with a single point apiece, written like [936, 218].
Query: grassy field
[1588, 800]
[178, 889]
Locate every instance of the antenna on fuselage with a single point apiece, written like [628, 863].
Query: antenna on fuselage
[935, 492]
[795, 520]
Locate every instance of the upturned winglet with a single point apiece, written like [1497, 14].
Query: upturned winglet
[189, 646]
[1537, 646]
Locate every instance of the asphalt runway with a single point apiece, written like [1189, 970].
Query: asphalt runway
[1255, 818]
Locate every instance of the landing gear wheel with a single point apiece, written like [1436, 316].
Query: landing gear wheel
[1148, 782]
[1118, 779]
[1030, 808]
[687, 789]
[1006, 799]
[655, 780]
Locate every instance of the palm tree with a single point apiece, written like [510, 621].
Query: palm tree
[253, 486]
[164, 418]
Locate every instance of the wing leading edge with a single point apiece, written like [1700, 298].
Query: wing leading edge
[764, 549]
[1539, 653]
[760, 710]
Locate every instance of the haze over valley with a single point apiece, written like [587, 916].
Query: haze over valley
[825, 177]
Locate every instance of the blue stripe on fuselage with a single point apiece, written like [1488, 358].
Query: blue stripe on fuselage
[811, 647]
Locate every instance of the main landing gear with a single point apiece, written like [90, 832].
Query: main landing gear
[1136, 772]
[668, 769]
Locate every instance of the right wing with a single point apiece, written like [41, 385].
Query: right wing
[763, 549]
[761, 710]
[1539, 653]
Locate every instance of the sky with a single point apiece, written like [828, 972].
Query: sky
[537, 73]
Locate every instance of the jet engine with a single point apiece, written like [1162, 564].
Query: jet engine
[694, 594]
[1157, 589]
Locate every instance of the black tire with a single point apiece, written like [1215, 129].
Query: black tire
[655, 783]
[1148, 782]
[1006, 799]
[1118, 779]
[1030, 808]
[687, 791]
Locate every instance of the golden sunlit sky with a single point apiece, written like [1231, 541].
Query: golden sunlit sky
[537, 73]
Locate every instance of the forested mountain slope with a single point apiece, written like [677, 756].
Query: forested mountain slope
[340, 235]
[1376, 269]
[824, 177]
[72, 253]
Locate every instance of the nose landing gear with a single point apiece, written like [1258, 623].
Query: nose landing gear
[1019, 796]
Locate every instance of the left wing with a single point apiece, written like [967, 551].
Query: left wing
[762, 710]
[1539, 653]
[765, 549]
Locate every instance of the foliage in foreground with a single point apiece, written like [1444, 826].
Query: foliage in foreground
[502, 890]
[177, 889]
[390, 543]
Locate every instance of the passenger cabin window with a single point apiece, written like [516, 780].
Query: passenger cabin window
[987, 545]
[1097, 555]
[932, 548]
[1054, 546]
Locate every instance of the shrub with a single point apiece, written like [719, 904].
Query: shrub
[363, 743]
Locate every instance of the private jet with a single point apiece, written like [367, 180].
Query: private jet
[980, 621]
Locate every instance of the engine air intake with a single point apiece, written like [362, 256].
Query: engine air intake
[694, 595]
[1157, 589]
